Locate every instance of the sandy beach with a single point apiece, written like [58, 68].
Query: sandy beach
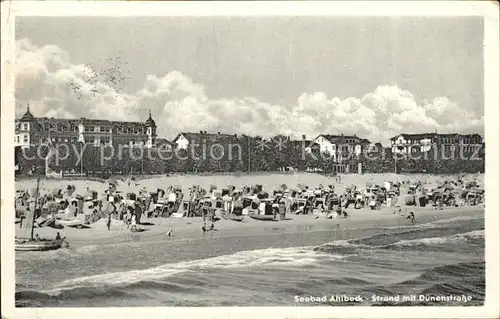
[156, 229]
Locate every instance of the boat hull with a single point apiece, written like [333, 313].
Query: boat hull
[261, 217]
[236, 218]
[38, 246]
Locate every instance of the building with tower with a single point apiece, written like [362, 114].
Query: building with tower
[31, 131]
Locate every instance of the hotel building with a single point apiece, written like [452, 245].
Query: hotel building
[411, 143]
[31, 130]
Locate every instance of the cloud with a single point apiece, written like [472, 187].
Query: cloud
[55, 87]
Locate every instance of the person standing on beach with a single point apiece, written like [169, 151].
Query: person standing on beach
[108, 222]
[128, 216]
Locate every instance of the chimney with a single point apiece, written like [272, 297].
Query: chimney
[201, 132]
[218, 133]
[304, 137]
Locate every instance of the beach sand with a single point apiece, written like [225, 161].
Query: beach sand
[156, 229]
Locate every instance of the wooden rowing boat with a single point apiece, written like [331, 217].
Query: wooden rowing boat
[72, 223]
[27, 241]
[260, 216]
[43, 245]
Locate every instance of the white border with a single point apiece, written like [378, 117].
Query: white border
[10, 10]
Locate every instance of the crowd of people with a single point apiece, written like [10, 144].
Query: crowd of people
[215, 203]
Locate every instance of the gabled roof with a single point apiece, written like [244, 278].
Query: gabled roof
[163, 141]
[414, 136]
[53, 123]
[341, 139]
[209, 137]
[420, 136]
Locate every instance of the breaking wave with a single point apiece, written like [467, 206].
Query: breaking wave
[476, 237]
[295, 270]
[273, 257]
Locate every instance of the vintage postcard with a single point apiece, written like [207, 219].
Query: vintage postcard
[250, 159]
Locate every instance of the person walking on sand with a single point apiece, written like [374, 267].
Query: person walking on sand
[128, 216]
[133, 223]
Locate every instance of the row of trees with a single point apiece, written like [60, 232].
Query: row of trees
[243, 153]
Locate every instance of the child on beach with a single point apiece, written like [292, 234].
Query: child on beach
[128, 216]
[339, 211]
[133, 223]
[411, 217]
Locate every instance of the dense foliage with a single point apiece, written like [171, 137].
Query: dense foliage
[243, 154]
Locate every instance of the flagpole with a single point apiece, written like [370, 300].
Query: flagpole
[249, 154]
[34, 207]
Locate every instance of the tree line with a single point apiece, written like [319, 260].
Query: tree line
[239, 154]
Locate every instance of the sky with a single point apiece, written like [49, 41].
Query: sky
[374, 77]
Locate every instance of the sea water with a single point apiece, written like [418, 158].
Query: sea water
[438, 263]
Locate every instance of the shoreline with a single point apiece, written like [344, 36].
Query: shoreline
[185, 228]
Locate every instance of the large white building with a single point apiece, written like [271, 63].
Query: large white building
[341, 147]
[31, 130]
[411, 143]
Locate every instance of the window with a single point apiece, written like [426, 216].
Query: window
[90, 139]
[105, 140]
[73, 139]
[25, 126]
[89, 128]
[25, 139]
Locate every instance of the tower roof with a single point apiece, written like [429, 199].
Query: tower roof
[150, 121]
[27, 116]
